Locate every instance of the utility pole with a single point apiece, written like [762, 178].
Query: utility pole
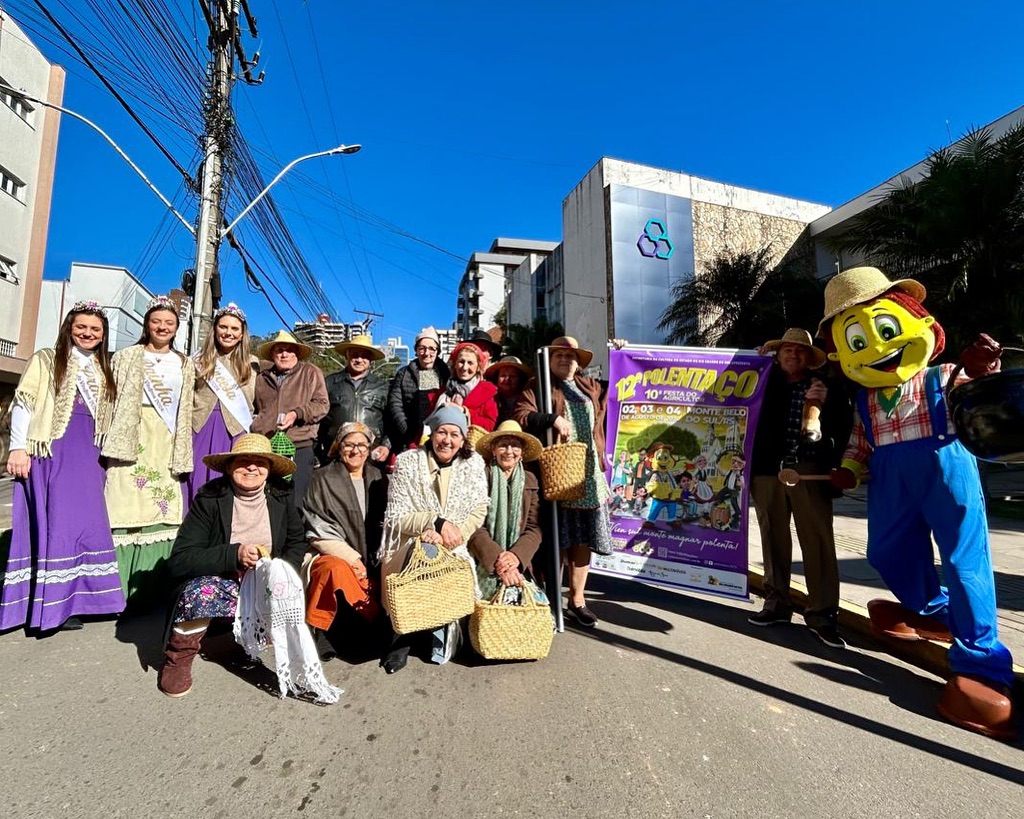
[370, 316]
[225, 44]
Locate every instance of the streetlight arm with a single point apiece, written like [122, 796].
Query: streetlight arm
[341, 149]
[113, 144]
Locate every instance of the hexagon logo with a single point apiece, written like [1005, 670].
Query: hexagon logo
[654, 242]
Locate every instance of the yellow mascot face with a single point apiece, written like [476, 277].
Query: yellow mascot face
[882, 344]
[664, 460]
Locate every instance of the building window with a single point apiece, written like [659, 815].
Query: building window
[10, 184]
[18, 105]
[7, 271]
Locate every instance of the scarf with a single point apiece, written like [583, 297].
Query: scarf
[580, 415]
[331, 508]
[506, 505]
[272, 611]
[462, 389]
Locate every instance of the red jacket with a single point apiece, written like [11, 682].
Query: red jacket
[482, 405]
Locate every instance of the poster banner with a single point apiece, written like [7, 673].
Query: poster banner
[681, 425]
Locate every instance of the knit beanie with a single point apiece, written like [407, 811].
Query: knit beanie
[448, 414]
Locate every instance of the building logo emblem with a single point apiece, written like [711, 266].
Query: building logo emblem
[654, 242]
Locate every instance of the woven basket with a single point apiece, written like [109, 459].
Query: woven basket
[430, 592]
[281, 444]
[563, 470]
[474, 434]
[501, 632]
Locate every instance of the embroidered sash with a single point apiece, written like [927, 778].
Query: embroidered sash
[88, 388]
[230, 395]
[164, 398]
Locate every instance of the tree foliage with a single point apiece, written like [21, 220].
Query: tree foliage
[524, 340]
[741, 300]
[960, 231]
[683, 442]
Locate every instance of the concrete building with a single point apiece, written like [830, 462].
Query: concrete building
[28, 152]
[394, 348]
[449, 338]
[123, 297]
[324, 333]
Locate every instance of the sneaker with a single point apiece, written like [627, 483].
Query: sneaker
[829, 635]
[584, 616]
[767, 617]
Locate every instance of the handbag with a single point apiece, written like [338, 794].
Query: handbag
[500, 631]
[563, 471]
[430, 591]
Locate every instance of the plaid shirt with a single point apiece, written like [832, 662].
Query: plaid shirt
[910, 420]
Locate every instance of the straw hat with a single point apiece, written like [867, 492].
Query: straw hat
[508, 361]
[584, 356]
[251, 443]
[283, 337]
[510, 429]
[795, 335]
[860, 284]
[363, 342]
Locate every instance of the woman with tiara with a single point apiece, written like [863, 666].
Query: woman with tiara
[62, 562]
[225, 380]
[149, 452]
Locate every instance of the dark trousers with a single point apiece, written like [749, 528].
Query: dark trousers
[304, 460]
[809, 504]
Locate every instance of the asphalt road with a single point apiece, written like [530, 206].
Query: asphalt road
[672, 707]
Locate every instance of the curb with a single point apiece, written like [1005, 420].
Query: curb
[929, 656]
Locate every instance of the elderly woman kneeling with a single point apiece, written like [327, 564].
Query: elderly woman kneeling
[233, 522]
[506, 544]
[344, 514]
[438, 494]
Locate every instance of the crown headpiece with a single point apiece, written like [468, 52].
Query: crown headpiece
[90, 306]
[164, 302]
[230, 309]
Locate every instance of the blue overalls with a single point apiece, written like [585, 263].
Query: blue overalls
[931, 487]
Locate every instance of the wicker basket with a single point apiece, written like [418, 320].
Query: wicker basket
[430, 592]
[563, 470]
[502, 632]
[474, 434]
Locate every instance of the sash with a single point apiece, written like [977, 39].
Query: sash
[230, 395]
[165, 399]
[87, 388]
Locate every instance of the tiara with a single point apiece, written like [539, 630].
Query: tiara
[165, 302]
[90, 306]
[230, 309]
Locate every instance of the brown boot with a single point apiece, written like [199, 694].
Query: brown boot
[978, 705]
[893, 619]
[175, 678]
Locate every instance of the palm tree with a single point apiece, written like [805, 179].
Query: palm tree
[741, 300]
[960, 230]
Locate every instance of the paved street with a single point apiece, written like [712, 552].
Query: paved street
[673, 707]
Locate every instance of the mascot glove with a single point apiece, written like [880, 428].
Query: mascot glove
[843, 478]
[982, 357]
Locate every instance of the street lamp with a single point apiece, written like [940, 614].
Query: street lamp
[341, 149]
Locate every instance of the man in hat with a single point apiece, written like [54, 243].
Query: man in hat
[484, 340]
[291, 396]
[779, 443]
[356, 394]
[415, 389]
[924, 485]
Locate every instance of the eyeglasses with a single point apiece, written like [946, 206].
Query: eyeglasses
[356, 447]
[424, 349]
[511, 444]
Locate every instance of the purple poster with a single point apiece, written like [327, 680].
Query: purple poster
[680, 431]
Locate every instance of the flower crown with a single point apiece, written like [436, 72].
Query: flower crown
[230, 309]
[90, 306]
[164, 302]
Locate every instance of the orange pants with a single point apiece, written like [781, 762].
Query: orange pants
[329, 575]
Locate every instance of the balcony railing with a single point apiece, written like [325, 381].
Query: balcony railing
[8, 348]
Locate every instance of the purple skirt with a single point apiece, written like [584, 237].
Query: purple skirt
[62, 562]
[212, 439]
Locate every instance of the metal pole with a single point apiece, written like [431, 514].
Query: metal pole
[208, 236]
[554, 572]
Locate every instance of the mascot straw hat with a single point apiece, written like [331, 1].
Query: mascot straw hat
[860, 284]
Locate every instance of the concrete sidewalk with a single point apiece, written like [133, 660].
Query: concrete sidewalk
[860, 583]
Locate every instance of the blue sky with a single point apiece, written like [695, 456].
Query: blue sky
[477, 119]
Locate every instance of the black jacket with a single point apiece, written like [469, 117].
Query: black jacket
[770, 439]
[408, 407]
[203, 544]
[365, 400]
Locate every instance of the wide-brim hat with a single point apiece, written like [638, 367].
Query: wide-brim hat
[512, 361]
[583, 355]
[363, 342]
[860, 284]
[796, 335]
[510, 429]
[283, 337]
[251, 443]
[481, 338]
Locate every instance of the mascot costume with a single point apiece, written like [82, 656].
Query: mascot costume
[662, 487]
[923, 484]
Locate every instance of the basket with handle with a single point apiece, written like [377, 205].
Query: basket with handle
[281, 444]
[474, 434]
[563, 470]
[430, 591]
[500, 631]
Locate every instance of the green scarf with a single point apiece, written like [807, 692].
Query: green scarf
[506, 505]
